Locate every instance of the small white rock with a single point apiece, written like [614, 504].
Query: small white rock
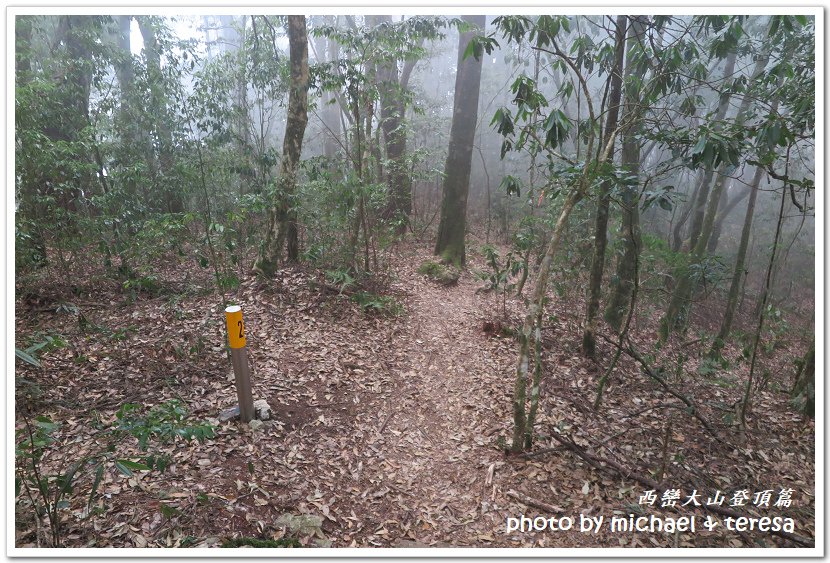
[262, 410]
[254, 424]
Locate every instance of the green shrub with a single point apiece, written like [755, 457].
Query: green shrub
[372, 303]
[50, 493]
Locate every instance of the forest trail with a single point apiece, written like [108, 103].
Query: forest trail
[389, 429]
[388, 426]
[440, 424]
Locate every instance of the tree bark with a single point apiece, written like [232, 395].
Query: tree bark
[392, 88]
[589, 343]
[451, 230]
[740, 262]
[282, 218]
[622, 285]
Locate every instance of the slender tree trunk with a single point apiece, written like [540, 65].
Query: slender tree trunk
[234, 44]
[603, 203]
[677, 231]
[706, 181]
[282, 218]
[712, 245]
[126, 80]
[533, 313]
[327, 50]
[723, 213]
[623, 284]
[453, 225]
[740, 262]
[158, 96]
[746, 403]
[677, 312]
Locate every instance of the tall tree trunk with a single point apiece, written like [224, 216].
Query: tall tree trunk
[589, 343]
[30, 184]
[740, 263]
[126, 81]
[622, 285]
[451, 230]
[282, 218]
[706, 180]
[392, 88]
[745, 404]
[678, 308]
[331, 113]
[328, 51]
[712, 245]
[158, 101]
[233, 43]
[723, 213]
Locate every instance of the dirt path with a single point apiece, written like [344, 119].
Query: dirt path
[440, 424]
[386, 426]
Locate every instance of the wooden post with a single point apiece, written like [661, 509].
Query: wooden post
[239, 358]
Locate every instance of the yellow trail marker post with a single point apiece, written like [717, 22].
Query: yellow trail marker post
[239, 358]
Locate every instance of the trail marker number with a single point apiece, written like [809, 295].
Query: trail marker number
[236, 326]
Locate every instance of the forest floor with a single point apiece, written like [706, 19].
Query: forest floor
[388, 429]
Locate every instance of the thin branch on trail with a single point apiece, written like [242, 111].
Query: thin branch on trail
[524, 499]
[692, 409]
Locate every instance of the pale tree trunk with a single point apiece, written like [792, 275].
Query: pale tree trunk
[327, 50]
[677, 231]
[589, 343]
[234, 44]
[712, 245]
[282, 218]
[531, 327]
[451, 230]
[331, 111]
[703, 191]
[723, 213]
[127, 122]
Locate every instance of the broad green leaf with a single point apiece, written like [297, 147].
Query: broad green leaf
[26, 357]
[133, 465]
[123, 468]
